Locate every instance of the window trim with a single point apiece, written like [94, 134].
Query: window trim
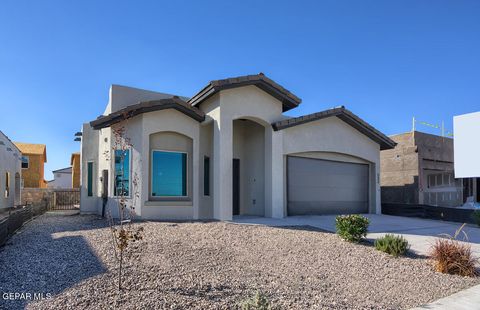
[90, 175]
[129, 149]
[28, 161]
[7, 184]
[164, 198]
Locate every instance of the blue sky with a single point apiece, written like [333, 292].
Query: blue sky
[384, 60]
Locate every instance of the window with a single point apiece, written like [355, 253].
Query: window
[206, 176]
[90, 179]
[25, 162]
[169, 174]
[7, 184]
[122, 173]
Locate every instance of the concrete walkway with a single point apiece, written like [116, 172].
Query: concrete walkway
[420, 233]
[468, 299]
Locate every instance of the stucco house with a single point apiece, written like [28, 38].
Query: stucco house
[62, 178]
[10, 173]
[229, 150]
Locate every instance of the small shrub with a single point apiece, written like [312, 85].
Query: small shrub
[391, 244]
[257, 302]
[452, 257]
[476, 216]
[352, 227]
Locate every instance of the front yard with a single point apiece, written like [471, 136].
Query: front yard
[211, 265]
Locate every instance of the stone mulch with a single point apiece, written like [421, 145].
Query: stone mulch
[212, 265]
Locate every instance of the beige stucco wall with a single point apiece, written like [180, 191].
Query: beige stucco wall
[206, 149]
[89, 153]
[168, 121]
[250, 103]
[341, 142]
[222, 137]
[11, 164]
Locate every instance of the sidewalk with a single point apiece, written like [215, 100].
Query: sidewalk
[468, 299]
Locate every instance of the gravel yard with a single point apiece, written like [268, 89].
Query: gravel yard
[210, 265]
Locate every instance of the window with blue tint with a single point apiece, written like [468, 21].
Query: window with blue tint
[169, 174]
[122, 173]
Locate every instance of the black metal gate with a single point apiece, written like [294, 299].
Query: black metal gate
[65, 200]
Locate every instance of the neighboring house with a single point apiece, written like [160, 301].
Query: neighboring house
[62, 178]
[34, 157]
[229, 150]
[420, 170]
[466, 128]
[75, 163]
[10, 173]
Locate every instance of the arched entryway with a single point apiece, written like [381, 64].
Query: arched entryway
[248, 167]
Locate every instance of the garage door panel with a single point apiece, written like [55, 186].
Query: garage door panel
[318, 186]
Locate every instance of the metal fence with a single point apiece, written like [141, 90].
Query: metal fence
[12, 219]
[65, 200]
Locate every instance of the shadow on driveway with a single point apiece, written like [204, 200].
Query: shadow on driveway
[46, 257]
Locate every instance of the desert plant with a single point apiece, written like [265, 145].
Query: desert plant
[476, 216]
[256, 302]
[123, 230]
[352, 227]
[453, 257]
[391, 244]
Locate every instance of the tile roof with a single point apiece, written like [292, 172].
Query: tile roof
[288, 99]
[148, 106]
[346, 116]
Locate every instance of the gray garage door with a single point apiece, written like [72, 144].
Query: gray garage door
[317, 186]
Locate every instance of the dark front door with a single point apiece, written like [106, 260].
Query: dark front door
[236, 186]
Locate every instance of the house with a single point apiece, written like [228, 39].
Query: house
[10, 173]
[229, 150]
[75, 163]
[62, 178]
[467, 149]
[34, 157]
[420, 171]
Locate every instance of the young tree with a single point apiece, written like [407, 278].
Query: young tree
[121, 222]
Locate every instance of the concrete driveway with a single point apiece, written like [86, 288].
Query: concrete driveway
[420, 233]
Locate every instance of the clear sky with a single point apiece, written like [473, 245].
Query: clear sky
[384, 60]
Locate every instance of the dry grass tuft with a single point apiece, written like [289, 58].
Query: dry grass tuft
[452, 257]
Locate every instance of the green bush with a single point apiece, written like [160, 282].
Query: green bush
[391, 244]
[352, 227]
[257, 302]
[476, 216]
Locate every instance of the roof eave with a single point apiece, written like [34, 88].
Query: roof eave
[145, 107]
[345, 115]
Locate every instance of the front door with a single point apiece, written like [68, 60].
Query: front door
[236, 186]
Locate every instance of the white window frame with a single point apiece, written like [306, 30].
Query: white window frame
[28, 161]
[112, 177]
[151, 177]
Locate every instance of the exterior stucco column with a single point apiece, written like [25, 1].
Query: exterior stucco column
[274, 174]
[222, 168]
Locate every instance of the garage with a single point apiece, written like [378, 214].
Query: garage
[318, 186]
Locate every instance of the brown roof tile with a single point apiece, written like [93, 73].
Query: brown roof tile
[288, 99]
[346, 116]
[148, 106]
